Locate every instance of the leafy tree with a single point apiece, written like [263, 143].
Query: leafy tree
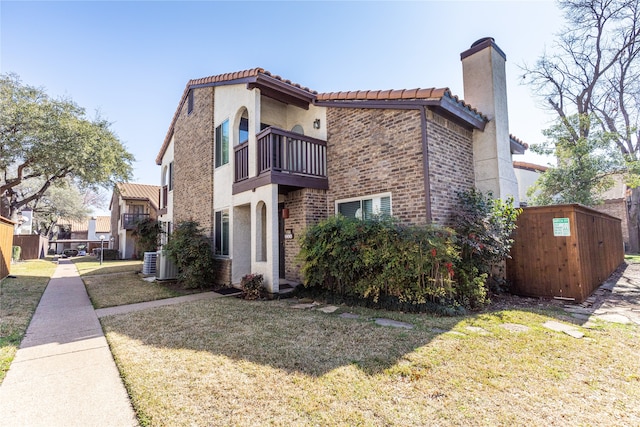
[147, 233]
[52, 140]
[484, 228]
[585, 166]
[61, 200]
[595, 73]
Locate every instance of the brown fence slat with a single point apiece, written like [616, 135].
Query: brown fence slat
[6, 242]
[549, 265]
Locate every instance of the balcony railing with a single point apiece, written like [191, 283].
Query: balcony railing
[285, 158]
[129, 220]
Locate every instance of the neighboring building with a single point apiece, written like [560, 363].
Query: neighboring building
[527, 175]
[68, 234]
[256, 159]
[614, 203]
[614, 200]
[131, 203]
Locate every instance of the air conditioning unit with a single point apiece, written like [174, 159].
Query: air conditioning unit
[165, 268]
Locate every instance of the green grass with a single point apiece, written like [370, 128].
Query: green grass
[109, 290]
[233, 362]
[632, 258]
[19, 298]
[89, 265]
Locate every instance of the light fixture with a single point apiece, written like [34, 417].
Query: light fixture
[101, 248]
[316, 124]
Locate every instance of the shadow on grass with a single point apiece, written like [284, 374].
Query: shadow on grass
[274, 334]
[298, 341]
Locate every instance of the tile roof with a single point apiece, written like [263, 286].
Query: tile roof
[229, 78]
[529, 166]
[146, 192]
[376, 95]
[246, 76]
[103, 224]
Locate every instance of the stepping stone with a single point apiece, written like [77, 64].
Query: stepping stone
[438, 330]
[149, 279]
[578, 310]
[304, 306]
[614, 318]
[514, 327]
[393, 323]
[561, 327]
[349, 316]
[580, 316]
[328, 309]
[477, 330]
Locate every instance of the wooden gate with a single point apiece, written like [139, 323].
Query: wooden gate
[564, 251]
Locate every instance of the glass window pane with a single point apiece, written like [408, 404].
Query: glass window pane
[243, 131]
[225, 142]
[385, 206]
[350, 209]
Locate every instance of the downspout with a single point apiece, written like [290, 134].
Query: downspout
[425, 162]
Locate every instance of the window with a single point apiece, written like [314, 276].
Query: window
[222, 144]
[222, 233]
[365, 208]
[170, 176]
[190, 102]
[243, 130]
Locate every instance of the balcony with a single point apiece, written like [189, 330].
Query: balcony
[163, 200]
[129, 221]
[284, 158]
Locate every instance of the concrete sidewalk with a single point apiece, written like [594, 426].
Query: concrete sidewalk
[64, 373]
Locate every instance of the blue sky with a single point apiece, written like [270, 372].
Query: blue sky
[131, 60]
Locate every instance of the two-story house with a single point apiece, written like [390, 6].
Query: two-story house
[131, 203]
[256, 159]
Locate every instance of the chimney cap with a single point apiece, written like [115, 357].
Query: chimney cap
[482, 44]
[482, 40]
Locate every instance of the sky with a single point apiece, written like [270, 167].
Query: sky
[129, 61]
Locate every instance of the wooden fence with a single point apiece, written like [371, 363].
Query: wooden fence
[564, 251]
[33, 246]
[6, 242]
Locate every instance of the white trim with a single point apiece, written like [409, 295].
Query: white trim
[372, 197]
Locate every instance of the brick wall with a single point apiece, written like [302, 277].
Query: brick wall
[450, 165]
[372, 151]
[617, 208]
[193, 162]
[306, 207]
[222, 271]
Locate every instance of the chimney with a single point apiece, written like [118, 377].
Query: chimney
[91, 231]
[485, 88]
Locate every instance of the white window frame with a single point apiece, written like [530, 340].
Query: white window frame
[375, 198]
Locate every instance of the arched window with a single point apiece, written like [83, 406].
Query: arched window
[243, 127]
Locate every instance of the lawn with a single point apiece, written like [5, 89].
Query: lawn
[19, 298]
[233, 362]
[118, 283]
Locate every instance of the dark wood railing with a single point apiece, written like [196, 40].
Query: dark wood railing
[129, 220]
[282, 151]
[164, 194]
[241, 155]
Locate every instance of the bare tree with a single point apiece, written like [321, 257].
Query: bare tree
[594, 73]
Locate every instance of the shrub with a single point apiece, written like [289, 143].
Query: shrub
[16, 251]
[485, 226]
[252, 286]
[380, 260]
[110, 254]
[147, 233]
[191, 251]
